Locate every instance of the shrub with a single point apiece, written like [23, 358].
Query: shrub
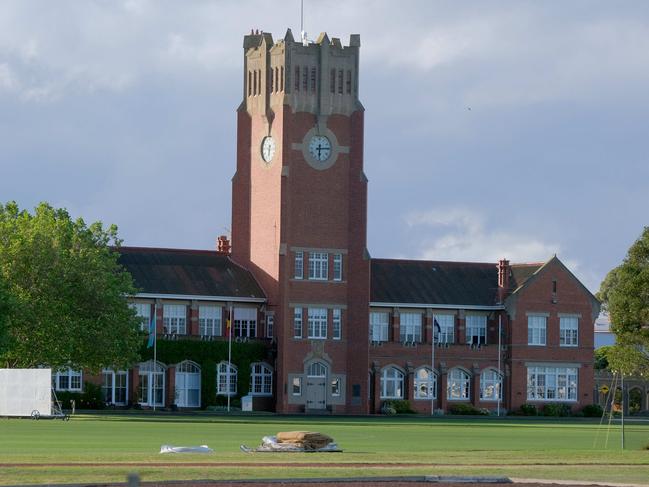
[529, 410]
[557, 409]
[388, 409]
[466, 409]
[593, 411]
[90, 398]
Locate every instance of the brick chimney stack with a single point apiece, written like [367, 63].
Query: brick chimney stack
[503, 279]
[223, 245]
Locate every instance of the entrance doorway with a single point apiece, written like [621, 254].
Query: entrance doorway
[316, 386]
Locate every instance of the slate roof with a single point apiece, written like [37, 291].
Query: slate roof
[188, 272]
[521, 273]
[434, 282]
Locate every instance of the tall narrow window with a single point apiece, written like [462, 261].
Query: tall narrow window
[425, 384]
[379, 326]
[297, 323]
[245, 322]
[226, 379]
[349, 82]
[254, 77]
[261, 380]
[337, 323]
[332, 81]
[297, 78]
[391, 383]
[276, 79]
[340, 81]
[209, 320]
[271, 80]
[338, 267]
[270, 326]
[446, 331]
[175, 319]
[143, 312]
[317, 318]
[305, 79]
[490, 385]
[313, 80]
[299, 265]
[568, 331]
[476, 329]
[281, 78]
[259, 82]
[410, 328]
[536, 329]
[188, 385]
[458, 385]
[318, 266]
[249, 83]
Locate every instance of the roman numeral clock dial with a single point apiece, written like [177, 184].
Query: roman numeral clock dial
[320, 148]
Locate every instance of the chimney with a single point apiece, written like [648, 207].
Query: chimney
[223, 245]
[503, 279]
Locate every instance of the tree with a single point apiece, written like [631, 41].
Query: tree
[68, 293]
[625, 292]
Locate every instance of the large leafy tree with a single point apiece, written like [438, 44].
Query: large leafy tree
[66, 294]
[625, 293]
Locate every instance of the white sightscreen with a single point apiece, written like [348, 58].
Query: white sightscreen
[25, 390]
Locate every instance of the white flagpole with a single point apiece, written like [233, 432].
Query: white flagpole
[500, 388]
[155, 350]
[229, 354]
[432, 370]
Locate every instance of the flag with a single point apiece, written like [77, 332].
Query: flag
[152, 332]
[227, 323]
[437, 327]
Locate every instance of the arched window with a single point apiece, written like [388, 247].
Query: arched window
[425, 383]
[226, 379]
[391, 383]
[317, 369]
[459, 385]
[114, 386]
[152, 383]
[491, 383]
[261, 379]
[188, 385]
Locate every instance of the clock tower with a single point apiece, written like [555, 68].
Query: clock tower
[299, 215]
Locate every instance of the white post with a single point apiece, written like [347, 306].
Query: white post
[151, 384]
[432, 369]
[230, 320]
[623, 403]
[500, 389]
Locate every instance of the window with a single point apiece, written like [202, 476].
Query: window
[143, 311]
[277, 79]
[175, 319]
[536, 329]
[114, 387]
[317, 369]
[261, 380]
[152, 383]
[255, 82]
[340, 81]
[297, 323]
[271, 80]
[552, 383]
[296, 386]
[318, 266]
[349, 82]
[338, 267]
[270, 326]
[425, 383]
[297, 78]
[188, 385]
[67, 380]
[491, 383]
[410, 329]
[226, 379]
[335, 387]
[305, 79]
[299, 265]
[391, 383]
[249, 83]
[446, 332]
[209, 321]
[379, 326]
[476, 329]
[459, 385]
[313, 80]
[281, 78]
[337, 324]
[317, 318]
[332, 81]
[568, 331]
[245, 322]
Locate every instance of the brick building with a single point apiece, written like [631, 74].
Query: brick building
[346, 332]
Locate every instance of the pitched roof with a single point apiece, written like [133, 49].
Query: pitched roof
[433, 282]
[520, 273]
[188, 272]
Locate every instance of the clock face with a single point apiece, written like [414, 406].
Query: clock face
[267, 149]
[320, 148]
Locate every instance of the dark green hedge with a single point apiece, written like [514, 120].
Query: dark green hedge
[207, 355]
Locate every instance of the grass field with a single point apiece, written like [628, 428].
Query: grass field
[53, 451]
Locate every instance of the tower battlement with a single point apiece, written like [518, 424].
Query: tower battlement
[319, 77]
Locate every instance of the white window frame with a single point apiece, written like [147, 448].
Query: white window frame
[143, 311]
[298, 323]
[552, 384]
[296, 386]
[338, 267]
[446, 322]
[109, 391]
[379, 323]
[317, 323]
[537, 330]
[318, 266]
[153, 374]
[174, 318]
[425, 384]
[245, 322]
[317, 369]
[392, 380]
[68, 380]
[491, 385]
[223, 369]
[476, 327]
[299, 265]
[188, 385]
[270, 325]
[458, 385]
[337, 324]
[568, 331]
[261, 379]
[410, 327]
[335, 387]
[209, 320]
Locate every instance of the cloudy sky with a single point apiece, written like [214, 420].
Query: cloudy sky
[509, 128]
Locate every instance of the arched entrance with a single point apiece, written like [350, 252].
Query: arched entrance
[316, 386]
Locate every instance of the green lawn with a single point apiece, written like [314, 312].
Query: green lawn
[570, 450]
